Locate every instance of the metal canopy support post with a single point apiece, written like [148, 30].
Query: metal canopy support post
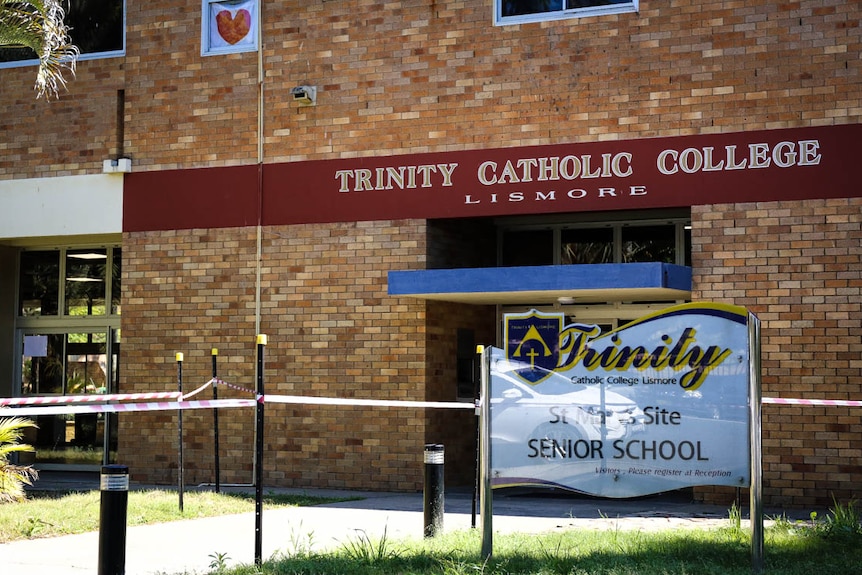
[755, 399]
[485, 502]
[258, 479]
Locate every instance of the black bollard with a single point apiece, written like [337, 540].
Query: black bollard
[433, 494]
[114, 486]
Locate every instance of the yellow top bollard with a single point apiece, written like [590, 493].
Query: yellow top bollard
[215, 351]
[480, 348]
[179, 356]
[261, 339]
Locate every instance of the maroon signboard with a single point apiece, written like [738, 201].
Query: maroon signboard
[788, 164]
[194, 198]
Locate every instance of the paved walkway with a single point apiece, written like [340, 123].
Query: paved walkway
[188, 546]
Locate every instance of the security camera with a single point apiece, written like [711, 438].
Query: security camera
[305, 95]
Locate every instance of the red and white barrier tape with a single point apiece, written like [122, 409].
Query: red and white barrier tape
[100, 398]
[88, 398]
[32, 411]
[823, 402]
[198, 390]
[304, 399]
[218, 382]
[59, 405]
[124, 407]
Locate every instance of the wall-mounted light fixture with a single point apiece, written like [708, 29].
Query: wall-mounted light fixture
[118, 166]
[305, 95]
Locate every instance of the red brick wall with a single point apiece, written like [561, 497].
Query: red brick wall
[336, 333]
[332, 331]
[798, 267]
[188, 291]
[455, 428]
[418, 76]
[69, 136]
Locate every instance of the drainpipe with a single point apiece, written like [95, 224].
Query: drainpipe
[259, 242]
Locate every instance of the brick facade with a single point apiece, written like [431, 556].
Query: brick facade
[332, 331]
[798, 267]
[418, 76]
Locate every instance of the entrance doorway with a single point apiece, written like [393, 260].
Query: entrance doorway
[67, 334]
[68, 363]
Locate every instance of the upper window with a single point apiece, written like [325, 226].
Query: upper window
[597, 242]
[69, 282]
[519, 11]
[229, 26]
[96, 27]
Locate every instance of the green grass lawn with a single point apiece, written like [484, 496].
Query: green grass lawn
[826, 546]
[46, 514]
[721, 551]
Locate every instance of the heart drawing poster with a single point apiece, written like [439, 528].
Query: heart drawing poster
[232, 25]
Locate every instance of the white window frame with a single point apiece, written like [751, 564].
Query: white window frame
[207, 48]
[81, 57]
[500, 20]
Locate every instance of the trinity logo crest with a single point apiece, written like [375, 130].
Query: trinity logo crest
[533, 339]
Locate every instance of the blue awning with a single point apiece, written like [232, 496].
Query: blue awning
[546, 284]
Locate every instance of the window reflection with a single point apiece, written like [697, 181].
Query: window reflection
[42, 370]
[68, 364]
[38, 287]
[520, 7]
[85, 282]
[649, 244]
[116, 284]
[73, 353]
[569, 243]
[91, 281]
[587, 246]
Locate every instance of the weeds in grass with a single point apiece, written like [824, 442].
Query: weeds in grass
[218, 561]
[782, 524]
[558, 558]
[33, 527]
[576, 552]
[363, 550]
[843, 522]
[735, 516]
[461, 567]
[301, 544]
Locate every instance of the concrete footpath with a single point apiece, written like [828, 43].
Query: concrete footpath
[188, 547]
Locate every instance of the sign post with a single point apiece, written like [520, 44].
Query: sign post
[485, 503]
[756, 426]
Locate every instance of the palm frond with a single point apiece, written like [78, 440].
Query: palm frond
[13, 477]
[39, 25]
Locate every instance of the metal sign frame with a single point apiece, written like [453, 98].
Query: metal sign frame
[755, 435]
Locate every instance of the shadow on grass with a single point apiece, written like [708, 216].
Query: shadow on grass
[281, 499]
[296, 499]
[583, 553]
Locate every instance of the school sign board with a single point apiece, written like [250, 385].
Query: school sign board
[659, 404]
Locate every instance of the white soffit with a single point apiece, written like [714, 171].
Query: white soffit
[61, 206]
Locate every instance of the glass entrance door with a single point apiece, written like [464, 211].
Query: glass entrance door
[65, 364]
